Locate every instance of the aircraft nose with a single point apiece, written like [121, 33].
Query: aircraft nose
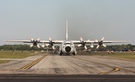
[68, 49]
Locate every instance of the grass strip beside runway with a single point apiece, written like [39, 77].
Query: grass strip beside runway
[4, 61]
[126, 55]
[16, 54]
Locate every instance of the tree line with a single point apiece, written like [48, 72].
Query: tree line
[17, 47]
[123, 47]
[108, 47]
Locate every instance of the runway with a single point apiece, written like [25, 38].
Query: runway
[69, 65]
[79, 68]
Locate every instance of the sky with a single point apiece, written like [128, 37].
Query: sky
[89, 19]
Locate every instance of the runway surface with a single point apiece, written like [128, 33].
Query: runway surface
[69, 65]
[51, 67]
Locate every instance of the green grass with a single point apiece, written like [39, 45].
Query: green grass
[126, 55]
[4, 61]
[17, 54]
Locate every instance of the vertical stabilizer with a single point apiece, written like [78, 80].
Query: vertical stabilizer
[66, 30]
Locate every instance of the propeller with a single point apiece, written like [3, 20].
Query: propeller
[100, 43]
[82, 43]
[51, 43]
[35, 42]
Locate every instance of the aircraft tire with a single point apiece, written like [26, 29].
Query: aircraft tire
[74, 54]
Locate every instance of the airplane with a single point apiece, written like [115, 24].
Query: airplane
[67, 46]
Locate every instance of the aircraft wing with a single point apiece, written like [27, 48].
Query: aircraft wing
[116, 41]
[82, 42]
[96, 42]
[35, 42]
[74, 41]
[54, 41]
[31, 40]
[79, 42]
[24, 41]
[41, 41]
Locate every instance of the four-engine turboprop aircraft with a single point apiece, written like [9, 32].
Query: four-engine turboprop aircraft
[67, 46]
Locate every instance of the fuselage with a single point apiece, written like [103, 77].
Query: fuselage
[67, 47]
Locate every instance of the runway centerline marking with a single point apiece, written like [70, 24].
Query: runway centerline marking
[28, 66]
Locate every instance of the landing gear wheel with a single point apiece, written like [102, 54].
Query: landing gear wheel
[74, 54]
[60, 54]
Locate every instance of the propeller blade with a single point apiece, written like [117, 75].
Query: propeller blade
[85, 47]
[38, 39]
[53, 47]
[104, 45]
[31, 45]
[97, 46]
[38, 46]
[102, 39]
[31, 39]
[50, 39]
[81, 39]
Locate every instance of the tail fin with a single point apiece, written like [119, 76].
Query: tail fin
[66, 30]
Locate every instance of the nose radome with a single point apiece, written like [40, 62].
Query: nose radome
[68, 49]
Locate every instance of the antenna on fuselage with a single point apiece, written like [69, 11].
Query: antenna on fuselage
[66, 30]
